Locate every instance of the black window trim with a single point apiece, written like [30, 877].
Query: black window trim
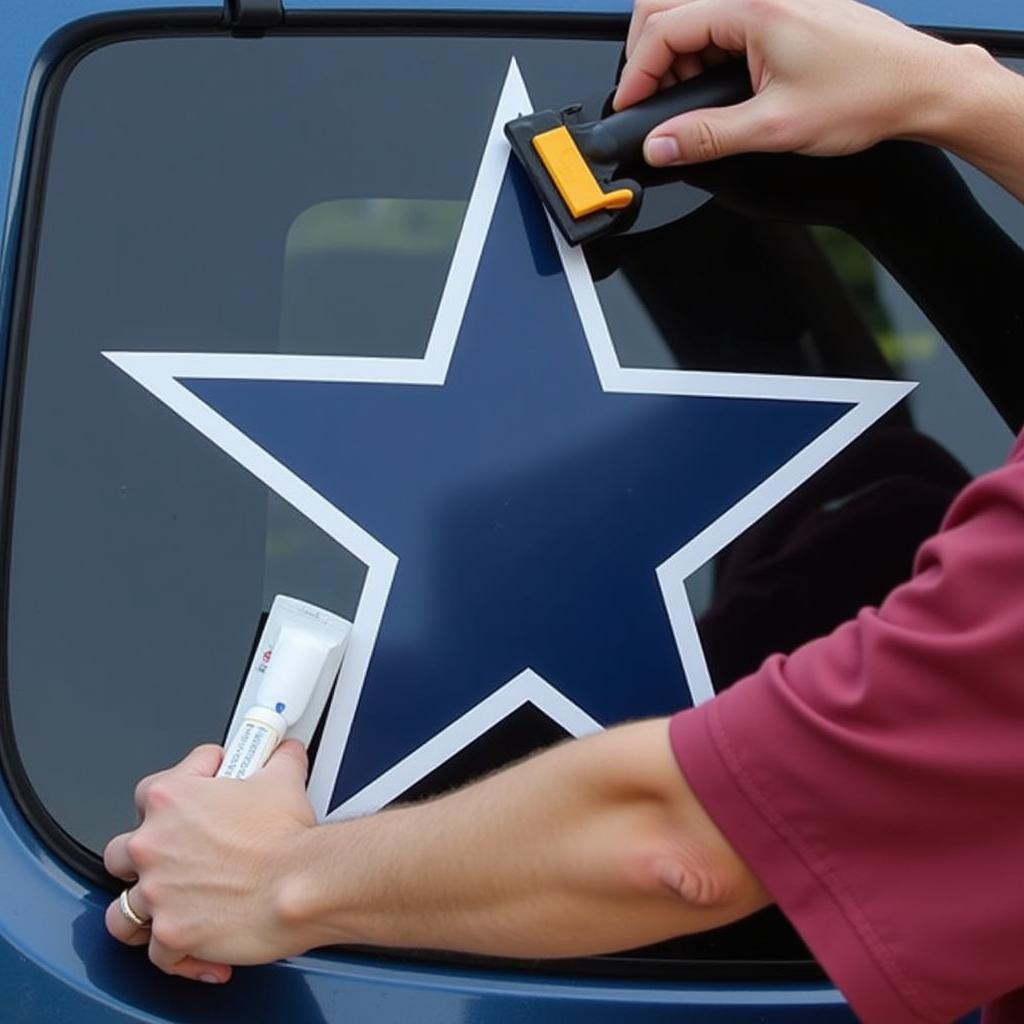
[72, 45]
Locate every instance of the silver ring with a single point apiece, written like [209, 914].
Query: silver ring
[129, 912]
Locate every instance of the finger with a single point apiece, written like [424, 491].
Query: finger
[182, 965]
[117, 860]
[123, 929]
[716, 133]
[203, 761]
[141, 789]
[690, 29]
[642, 12]
[289, 763]
[668, 80]
[650, 52]
[690, 65]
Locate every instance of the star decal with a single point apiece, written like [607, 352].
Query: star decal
[527, 508]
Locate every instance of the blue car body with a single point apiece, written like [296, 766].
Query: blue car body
[56, 960]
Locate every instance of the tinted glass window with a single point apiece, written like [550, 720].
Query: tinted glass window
[305, 195]
[179, 218]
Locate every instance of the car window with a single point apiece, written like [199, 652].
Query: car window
[176, 219]
[305, 195]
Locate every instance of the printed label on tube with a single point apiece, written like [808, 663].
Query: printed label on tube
[250, 750]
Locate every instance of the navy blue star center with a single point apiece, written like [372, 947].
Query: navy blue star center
[528, 508]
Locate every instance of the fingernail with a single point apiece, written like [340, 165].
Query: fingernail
[661, 151]
[210, 979]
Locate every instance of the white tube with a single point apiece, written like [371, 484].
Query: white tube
[250, 748]
[295, 666]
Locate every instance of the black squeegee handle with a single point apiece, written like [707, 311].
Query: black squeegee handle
[620, 137]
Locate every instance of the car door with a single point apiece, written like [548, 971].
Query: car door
[284, 318]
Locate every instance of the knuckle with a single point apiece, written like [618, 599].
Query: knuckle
[142, 788]
[149, 891]
[654, 24]
[707, 140]
[170, 935]
[110, 852]
[139, 849]
[159, 795]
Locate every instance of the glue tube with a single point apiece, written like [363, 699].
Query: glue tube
[295, 666]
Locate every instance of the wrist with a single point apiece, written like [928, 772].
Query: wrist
[964, 91]
[306, 898]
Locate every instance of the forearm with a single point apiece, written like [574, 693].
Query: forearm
[593, 846]
[980, 117]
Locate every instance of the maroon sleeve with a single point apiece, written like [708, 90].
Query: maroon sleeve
[874, 779]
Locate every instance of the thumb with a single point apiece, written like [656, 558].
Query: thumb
[713, 134]
[288, 763]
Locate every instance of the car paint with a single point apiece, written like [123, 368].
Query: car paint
[998, 15]
[58, 963]
[56, 960]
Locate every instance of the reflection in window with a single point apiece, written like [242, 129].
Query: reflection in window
[829, 268]
[363, 276]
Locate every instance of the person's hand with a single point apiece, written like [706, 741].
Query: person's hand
[208, 861]
[830, 77]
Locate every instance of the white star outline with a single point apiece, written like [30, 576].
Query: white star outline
[160, 374]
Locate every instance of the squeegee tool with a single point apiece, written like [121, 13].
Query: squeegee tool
[579, 161]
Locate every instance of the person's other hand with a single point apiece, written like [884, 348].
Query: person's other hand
[830, 77]
[208, 861]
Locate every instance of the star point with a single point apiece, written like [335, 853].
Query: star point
[528, 509]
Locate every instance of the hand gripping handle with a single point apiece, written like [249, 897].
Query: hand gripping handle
[620, 137]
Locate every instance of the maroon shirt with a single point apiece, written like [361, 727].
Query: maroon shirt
[874, 779]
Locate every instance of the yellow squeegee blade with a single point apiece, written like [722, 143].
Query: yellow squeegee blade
[573, 178]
